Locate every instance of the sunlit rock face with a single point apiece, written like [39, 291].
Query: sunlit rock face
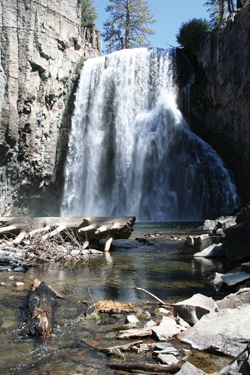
[130, 150]
[43, 48]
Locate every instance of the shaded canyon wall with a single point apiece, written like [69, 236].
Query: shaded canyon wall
[219, 99]
[43, 47]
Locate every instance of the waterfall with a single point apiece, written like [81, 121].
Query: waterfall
[131, 151]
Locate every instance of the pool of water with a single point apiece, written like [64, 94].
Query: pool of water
[159, 268]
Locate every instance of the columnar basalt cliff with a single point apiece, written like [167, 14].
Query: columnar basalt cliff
[43, 47]
[219, 99]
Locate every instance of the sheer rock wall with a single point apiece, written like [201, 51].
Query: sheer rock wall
[219, 99]
[43, 47]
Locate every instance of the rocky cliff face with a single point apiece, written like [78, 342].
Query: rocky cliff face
[43, 48]
[219, 99]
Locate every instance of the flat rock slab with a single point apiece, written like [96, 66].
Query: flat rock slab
[239, 366]
[166, 329]
[245, 267]
[235, 299]
[226, 331]
[189, 369]
[192, 309]
[131, 333]
[212, 251]
[233, 278]
[167, 359]
[166, 350]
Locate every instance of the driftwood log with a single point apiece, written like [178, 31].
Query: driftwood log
[41, 310]
[89, 228]
[144, 367]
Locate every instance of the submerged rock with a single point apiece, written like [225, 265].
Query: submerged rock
[189, 369]
[239, 366]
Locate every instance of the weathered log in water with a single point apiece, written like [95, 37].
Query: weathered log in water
[144, 367]
[41, 310]
[89, 228]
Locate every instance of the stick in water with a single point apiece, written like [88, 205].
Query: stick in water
[152, 295]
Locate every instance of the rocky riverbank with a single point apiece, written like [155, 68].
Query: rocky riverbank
[181, 336]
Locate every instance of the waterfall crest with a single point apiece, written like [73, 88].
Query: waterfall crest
[131, 151]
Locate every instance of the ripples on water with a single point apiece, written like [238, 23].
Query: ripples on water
[160, 269]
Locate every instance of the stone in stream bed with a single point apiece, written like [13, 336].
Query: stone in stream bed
[192, 309]
[167, 359]
[189, 369]
[226, 331]
[239, 366]
[166, 329]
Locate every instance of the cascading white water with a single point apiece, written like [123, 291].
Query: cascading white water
[131, 151]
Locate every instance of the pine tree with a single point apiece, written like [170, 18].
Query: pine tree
[220, 9]
[128, 24]
[88, 12]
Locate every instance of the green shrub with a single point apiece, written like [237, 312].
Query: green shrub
[191, 34]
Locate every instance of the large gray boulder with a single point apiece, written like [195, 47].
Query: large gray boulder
[238, 241]
[212, 251]
[193, 244]
[192, 309]
[235, 299]
[239, 366]
[226, 331]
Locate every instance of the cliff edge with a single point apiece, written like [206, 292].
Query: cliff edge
[219, 98]
[43, 47]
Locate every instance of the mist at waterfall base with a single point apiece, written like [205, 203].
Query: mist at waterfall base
[130, 150]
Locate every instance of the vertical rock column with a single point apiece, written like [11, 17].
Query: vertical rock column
[43, 49]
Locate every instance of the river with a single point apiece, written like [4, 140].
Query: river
[159, 268]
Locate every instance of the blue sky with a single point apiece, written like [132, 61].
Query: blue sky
[169, 15]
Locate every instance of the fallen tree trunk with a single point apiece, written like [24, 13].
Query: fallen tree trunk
[89, 228]
[144, 367]
[41, 306]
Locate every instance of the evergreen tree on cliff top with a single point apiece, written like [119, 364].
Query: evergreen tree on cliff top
[88, 13]
[220, 9]
[128, 24]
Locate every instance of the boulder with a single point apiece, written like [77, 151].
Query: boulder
[216, 280]
[243, 216]
[238, 241]
[189, 369]
[226, 331]
[166, 329]
[245, 267]
[209, 225]
[226, 222]
[167, 359]
[235, 299]
[239, 366]
[235, 276]
[212, 251]
[192, 309]
[193, 244]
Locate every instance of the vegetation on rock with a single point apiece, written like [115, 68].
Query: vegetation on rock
[128, 24]
[88, 12]
[191, 34]
[219, 10]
